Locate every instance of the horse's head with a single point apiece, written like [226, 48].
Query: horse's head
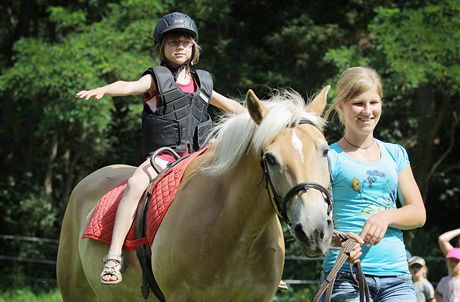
[296, 167]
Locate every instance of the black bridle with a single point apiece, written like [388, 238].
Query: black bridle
[281, 204]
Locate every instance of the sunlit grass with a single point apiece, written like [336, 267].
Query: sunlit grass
[26, 295]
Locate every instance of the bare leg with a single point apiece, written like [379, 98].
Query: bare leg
[136, 186]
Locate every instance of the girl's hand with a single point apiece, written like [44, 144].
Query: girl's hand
[375, 228]
[356, 253]
[96, 93]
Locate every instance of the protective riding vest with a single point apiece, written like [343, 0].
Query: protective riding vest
[181, 121]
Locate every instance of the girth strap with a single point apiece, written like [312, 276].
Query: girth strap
[328, 284]
[143, 251]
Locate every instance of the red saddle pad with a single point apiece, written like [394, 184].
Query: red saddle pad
[100, 225]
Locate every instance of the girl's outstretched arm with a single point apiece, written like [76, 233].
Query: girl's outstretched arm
[119, 88]
[224, 103]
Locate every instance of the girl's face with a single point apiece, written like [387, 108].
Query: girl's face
[417, 271]
[454, 266]
[361, 114]
[178, 49]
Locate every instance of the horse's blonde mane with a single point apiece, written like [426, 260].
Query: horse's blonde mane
[236, 135]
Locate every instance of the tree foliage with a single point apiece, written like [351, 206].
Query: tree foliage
[53, 49]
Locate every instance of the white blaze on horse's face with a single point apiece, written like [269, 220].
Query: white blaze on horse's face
[297, 143]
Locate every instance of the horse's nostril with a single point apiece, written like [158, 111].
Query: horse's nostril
[320, 233]
[300, 234]
[329, 222]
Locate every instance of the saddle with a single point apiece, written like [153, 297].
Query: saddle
[141, 221]
[328, 284]
[161, 191]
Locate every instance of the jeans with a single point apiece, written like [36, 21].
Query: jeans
[382, 289]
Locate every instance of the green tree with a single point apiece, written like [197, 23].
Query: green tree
[52, 49]
[50, 140]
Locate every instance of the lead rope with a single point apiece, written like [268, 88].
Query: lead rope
[328, 284]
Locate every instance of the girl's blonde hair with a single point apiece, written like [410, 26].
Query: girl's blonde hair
[158, 48]
[353, 82]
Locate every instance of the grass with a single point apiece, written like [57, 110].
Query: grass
[53, 295]
[27, 295]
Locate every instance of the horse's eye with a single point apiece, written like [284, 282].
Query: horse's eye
[325, 151]
[270, 159]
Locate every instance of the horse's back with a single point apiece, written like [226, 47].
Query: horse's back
[70, 274]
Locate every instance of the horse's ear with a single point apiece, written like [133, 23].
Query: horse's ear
[319, 102]
[256, 109]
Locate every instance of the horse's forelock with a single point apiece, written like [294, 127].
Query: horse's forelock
[287, 107]
[233, 136]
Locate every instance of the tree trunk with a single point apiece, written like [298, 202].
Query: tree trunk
[49, 172]
[431, 117]
[426, 133]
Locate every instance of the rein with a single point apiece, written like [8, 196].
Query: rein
[281, 204]
[328, 284]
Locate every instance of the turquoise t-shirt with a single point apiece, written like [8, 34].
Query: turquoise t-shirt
[361, 189]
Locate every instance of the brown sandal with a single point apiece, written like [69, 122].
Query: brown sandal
[112, 267]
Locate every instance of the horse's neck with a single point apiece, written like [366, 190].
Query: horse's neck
[248, 202]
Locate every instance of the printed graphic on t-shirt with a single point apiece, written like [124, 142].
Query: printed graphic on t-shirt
[377, 184]
[355, 185]
[371, 210]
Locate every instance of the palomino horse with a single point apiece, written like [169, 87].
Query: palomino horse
[221, 239]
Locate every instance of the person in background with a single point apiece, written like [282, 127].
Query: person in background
[448, 289]
[367, 177]
[175, 115]
[424, 290]
[445, 238]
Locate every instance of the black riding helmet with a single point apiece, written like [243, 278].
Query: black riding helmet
[172, 22]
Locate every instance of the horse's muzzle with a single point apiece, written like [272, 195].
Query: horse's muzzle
[316, 242]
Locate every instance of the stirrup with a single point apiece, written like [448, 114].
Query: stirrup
[161, 150]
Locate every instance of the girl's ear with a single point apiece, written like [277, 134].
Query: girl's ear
[340, 106]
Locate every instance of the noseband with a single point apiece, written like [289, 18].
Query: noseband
[281, 204]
